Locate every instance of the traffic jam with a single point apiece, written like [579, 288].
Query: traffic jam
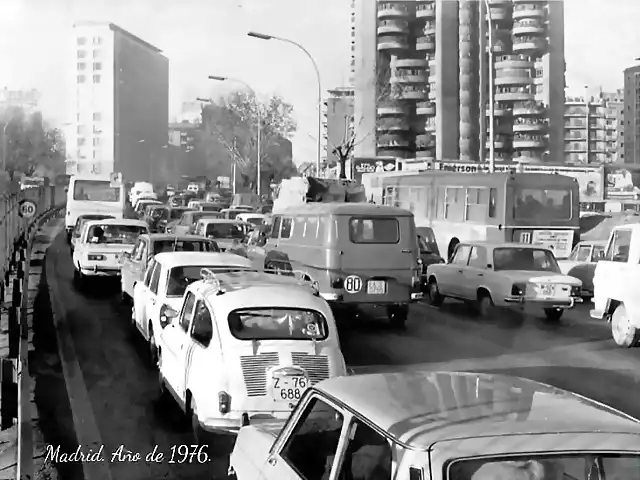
[238, 301]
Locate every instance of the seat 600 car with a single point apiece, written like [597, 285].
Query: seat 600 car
[440, 426]
[246, 345]
[504, 274]
[101, 244]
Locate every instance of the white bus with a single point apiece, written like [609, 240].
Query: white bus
[91, 196]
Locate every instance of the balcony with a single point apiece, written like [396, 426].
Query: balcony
[394, 141]
[427, 155]
[392, 43]
[498, 14]
[525, 141]
[406, 76]
[412, 63]
[500, 142]
[393, 26]
[392, 10]
[528, 10]
[529, 125]
[392, 124]
[513, 77]
[499, 110]
[499, 3]
[429, 28]
[513, 62]
[413, 92]
[575, 112]
[426, 10]
[426, 108]
[425, 141]
[426, 43]
[514, 94]
[430, 125]
[528, 26]
[525, 109]
[528, 44]
[391, 108]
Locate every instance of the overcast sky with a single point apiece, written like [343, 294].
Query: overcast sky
[202, 37]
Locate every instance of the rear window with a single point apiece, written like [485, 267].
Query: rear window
[162, 246]
[277, 324]
[374, 230]
[255, 220]
[176, 213]
[225, 230]
[198, 215]
[181, 277]
[210, 208]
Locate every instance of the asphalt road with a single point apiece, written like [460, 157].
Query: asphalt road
[577, 354]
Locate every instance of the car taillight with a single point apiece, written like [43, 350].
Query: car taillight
[518, 289]
[96, 258]
[337, 281]
[224, 402]
[576, 291]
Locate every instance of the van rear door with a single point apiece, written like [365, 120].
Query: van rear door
[378, 257]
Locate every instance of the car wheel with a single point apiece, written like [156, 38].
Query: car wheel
[153, 348]
[163, 392]
[486, 307]
[435, 298]
[622, 330]
[553, 314]
[192, 414]
[398, 315]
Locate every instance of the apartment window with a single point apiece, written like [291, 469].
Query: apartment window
[97, 116]
[77, 117]
[81, 78]
[78, 153]
[82, 54]
[97, 53]
[82, 40]
[95, 154]
[81, 141]
[81, 129]
[97, 66]
[96, 130]
[81, 66]
[97, 40]
[96, 79]
[96, 142]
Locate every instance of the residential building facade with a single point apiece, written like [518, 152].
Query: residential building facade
[632, 115]
[121, 104]
[339, 127]
[27, 100]
[422, 84]
[183, 135]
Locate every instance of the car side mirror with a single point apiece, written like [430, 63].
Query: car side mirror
[168, 316]
[127, 255]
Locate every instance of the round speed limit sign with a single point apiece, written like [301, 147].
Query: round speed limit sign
[353, 284]
[27, 209]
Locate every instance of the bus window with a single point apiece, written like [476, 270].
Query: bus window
[454, 204]
[540, 202]
[493, 193]
[477, 204]
[95, 191]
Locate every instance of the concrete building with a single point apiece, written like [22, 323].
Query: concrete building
[422, 78]
[598, 119]
[338, 121]
[28, 100]
[121, 103]
[632, 115]
[183, 135]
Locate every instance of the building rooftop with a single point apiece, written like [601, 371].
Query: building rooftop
[120, 30]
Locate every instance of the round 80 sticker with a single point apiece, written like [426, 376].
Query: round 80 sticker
[353, 284]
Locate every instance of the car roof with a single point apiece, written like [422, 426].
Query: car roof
[494, 245]
[154, 237]
[419, 408]
[595, 243]
[119, 221]
[343, 209]
[221, 259]
[220, 220]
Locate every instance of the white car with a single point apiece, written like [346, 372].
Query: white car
[245, 346]
[101, 244]
[255, 219]
[226, 233]
[504, 274]
[164, 283]
[582, 263]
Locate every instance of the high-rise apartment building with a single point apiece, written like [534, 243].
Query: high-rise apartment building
[598, 119]
[27, 100]
[422, 78]
[339, 127]
[121, 103]
[632, 115]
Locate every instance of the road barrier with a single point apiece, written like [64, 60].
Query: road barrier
[23, 213]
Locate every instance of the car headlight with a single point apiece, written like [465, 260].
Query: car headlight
[518, 289]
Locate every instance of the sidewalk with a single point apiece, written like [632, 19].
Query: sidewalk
[8, 438]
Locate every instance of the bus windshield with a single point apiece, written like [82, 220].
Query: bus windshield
[95, 191]
[532, 202]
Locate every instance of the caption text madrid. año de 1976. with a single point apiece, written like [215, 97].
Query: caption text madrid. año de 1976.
[175, 454]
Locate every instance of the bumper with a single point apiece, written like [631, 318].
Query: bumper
[543, 302]
[339, 299]
[230, 426]
[100, 271]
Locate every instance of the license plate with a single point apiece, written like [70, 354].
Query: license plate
[377, 287]
[548, 290]
[289, 388]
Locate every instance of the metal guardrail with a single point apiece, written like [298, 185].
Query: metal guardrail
[17, 235]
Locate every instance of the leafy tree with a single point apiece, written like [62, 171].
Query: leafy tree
[230, 125]
[30, 146]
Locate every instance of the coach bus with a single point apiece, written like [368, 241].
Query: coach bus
[513, 207]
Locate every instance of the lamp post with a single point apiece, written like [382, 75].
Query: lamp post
[492, 112]
[4, 147]
[262, 36]
[259, 126]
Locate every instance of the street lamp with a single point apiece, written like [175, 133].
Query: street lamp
[4, 147]
[262, 36]
[492, 112]
[259, 126]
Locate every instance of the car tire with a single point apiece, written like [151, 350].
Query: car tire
[485, 306]
[153, 349]
[163, 393]
[433, 293]
[622, 331]
[553, 314]
[192, 415]
[398, 315]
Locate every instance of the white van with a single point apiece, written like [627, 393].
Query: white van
[140, 190]
[90, 196]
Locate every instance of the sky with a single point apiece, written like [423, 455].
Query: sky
[208, 37]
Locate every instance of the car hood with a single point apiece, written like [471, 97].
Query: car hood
[539, 277]
[105, 247]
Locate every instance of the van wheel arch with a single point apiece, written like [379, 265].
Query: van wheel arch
[453, 243]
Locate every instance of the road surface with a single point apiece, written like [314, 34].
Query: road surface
[577, 354]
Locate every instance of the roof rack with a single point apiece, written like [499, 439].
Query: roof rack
[210, 278]
[299, 275]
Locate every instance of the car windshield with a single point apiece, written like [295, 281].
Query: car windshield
[115, 234]
[177, 245]
[598, 253]
[158, 213]
[210, 208]
[528, 259]
[181, 277]
[277, 324]
[255, 220]
[176, 213]
[95, 191]
[224, 230]
[82, 221]
[198, 215]
[574, 466]
[376, 230]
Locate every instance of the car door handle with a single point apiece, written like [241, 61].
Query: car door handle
[406, 250]
[481, 274]
[460, 271]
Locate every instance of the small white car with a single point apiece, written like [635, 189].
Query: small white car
[226, 233]
[440, 426]
[244, 346]
[582, 263]
[504, 274]
[256, 219]
[165, 280]
[98, 250]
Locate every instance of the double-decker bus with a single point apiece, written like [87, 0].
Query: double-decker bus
[502, 207]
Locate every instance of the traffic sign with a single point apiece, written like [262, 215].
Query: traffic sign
[27, 209]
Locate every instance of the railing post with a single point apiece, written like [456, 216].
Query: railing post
[8, 393]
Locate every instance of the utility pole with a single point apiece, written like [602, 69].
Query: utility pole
[233, 166]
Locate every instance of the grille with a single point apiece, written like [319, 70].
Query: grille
[254, 371]
[316, 366]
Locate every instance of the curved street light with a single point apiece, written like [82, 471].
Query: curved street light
[262, 36]
[259, 126]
